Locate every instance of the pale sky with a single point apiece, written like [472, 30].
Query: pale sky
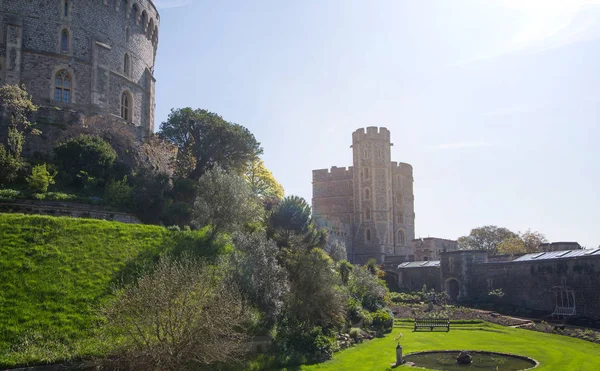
[496, 104]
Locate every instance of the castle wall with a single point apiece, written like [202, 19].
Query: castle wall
[529, 284]
[415, 278]
[431, 248]
[101, 33]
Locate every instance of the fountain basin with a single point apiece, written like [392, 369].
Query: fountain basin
[445, 360]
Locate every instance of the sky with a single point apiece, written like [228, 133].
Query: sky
[496, 104]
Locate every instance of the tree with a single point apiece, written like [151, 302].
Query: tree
[291, 222]
[345, 268]
[262, 182]
[512, 246]
[204, 139]
[85, 155]
[485, 238]
[16, 103]
[179, 314]
[224, 201]
[336, 248]
[256, 270]
[367, 288]
[532, 240]
[40, 178]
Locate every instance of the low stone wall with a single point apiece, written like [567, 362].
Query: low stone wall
[73, 210]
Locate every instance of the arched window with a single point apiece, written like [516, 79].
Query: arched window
[143, 21]
[401, 237]
[366, 173]
[65, 8]
[368, 234]
[126, 106]
[367, 214]
[367, 194]
[64, 41]
[365, 152]
[126, 64]
[399, 199]
[127, 34]
[62, 87]
[400, 218]
[134, 12]
[150, 29]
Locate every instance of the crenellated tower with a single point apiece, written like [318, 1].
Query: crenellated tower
[371, 200]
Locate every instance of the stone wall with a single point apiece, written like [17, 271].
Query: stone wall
[414, 278]
[101, 33]
[529, 284]
[66, 209]
[431, 248]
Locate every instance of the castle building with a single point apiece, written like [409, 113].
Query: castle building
[369, 205]
[95, 57]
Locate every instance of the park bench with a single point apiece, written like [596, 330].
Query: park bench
[430, 323]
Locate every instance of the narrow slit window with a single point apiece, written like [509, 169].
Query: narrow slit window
[64, 41]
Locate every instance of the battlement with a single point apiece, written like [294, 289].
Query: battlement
[335, 173]
[402, 167]
[372, 132]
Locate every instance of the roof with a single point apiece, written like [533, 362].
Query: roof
[558, 255]
[430, 263]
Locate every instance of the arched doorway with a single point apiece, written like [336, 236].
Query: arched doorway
[452, 289]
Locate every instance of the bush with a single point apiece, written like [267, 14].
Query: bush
[399, 297]
[119, 194]
[299, 345]
[9, 194]
[368, 289]
[40, 179]
[85, 159]
[383, 321]
[10, 166]
[355, 334]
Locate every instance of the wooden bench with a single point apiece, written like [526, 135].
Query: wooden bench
[430, 323]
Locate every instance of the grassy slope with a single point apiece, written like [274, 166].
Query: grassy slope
[54, 273]
[554, 352]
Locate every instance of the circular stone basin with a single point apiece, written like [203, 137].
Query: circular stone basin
[446, 361]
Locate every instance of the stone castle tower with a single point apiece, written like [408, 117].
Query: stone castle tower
[370, 205]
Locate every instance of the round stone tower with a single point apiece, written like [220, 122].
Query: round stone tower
[88, 56]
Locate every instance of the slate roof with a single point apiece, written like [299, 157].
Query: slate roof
[430, 263]
[558, 254]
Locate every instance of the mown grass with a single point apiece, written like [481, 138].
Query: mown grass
[56, 272]
[554, 352]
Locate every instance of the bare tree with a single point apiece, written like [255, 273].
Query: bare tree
[180, 314]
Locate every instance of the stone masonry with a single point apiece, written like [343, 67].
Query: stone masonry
[98, 54]
[369, 205]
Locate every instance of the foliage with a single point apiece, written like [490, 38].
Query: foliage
[17, 102]
[487, 238]
[85, 158]
[9, 165]
[367, 289]
[256, 270]
[532, 240]
[150, 195]
[383, 321]
[9, 194]
[179, 314]
[336, 248]
[314, 298]
[204, 140]
[54, 273]
[262, 182]
[40, 179]
[119, 193]
[345, 269]
[291, 223]
[511, 246]
[400, 297]
[496, 293]
[224, 201]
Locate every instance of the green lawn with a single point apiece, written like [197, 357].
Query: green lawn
[554, 352]
[56, 272]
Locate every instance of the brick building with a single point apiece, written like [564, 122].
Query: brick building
[86, 56]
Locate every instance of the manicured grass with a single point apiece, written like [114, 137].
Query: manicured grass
[56, 272]
[554, 352]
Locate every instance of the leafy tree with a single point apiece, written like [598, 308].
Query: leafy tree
[487, 238]
[119, 193]
[15, 102]
[180, 314]
[85, 154]
[291, 222]
[40, 179]
[150, 195]
[204, 139]
[511, 246]
[367, 288]
[258, 274]
[345, 268]
[262, 182]
[314, 298]
[224, 201]
[532, 240]
[336, 248]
